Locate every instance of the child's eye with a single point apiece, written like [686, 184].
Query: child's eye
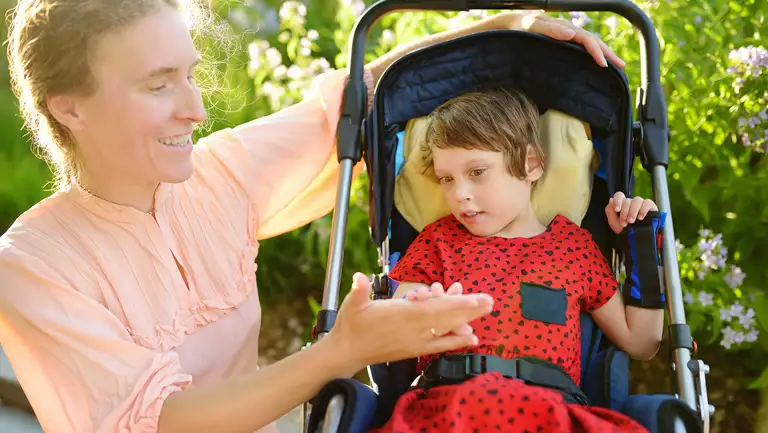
[477, 172]
[445, 179]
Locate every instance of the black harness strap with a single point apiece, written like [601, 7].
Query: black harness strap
[454, 369]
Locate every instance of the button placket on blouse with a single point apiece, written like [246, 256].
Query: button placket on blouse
[164, 236]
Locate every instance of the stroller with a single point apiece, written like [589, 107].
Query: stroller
[556, 76]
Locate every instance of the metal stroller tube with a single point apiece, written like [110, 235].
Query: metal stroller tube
[651, 112]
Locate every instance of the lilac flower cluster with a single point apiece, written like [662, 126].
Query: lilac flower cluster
[754, 131]
[748, 61]
[712, 253]
[741, 326]
[708, 259]
[580, 19]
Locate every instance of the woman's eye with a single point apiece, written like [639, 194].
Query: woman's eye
[445, 179]
[157, 87]
[477, 172]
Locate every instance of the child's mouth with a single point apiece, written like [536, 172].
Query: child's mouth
[470, 216]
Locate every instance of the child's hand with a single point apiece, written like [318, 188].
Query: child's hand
[436, 290]
[622, 211]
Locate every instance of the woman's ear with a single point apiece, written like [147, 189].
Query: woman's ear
[66, 111]
[534, 166]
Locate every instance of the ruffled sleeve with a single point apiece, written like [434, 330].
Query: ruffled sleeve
[74, 359]
[285, 163]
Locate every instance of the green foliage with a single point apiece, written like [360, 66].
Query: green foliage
[716, 98]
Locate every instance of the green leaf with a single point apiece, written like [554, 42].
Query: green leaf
[760, 305]
[760, 382]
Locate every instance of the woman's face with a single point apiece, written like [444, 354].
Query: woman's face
[136, 128]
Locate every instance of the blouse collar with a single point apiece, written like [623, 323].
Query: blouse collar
[113, 211]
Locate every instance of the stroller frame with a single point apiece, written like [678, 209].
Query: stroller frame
[650, 134]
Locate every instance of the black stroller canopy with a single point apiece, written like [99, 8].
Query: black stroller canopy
[555, 75]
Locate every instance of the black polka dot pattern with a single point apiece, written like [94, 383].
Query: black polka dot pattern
[493, 403]
[563, 258]
[563, 265]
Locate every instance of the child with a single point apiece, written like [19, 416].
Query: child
[485, 151]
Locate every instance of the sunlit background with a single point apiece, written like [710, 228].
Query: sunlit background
[715, 74]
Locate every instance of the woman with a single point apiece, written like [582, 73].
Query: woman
[129, 298]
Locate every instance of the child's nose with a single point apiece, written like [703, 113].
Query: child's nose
[462, 192]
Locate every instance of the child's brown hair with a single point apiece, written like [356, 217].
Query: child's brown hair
[497, 120]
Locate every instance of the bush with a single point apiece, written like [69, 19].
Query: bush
[714, 74]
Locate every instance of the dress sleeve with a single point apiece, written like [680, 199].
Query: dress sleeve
[601, 283]
[75, 361]
[422, 262]
[284, 163]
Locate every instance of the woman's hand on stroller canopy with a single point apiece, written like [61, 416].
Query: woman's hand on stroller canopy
[559, 29]
[369, 332]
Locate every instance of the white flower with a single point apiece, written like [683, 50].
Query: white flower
[294, 72]
[279, 72]
[387, 37]
[274, 58]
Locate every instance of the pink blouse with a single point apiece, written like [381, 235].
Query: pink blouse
[105, 310]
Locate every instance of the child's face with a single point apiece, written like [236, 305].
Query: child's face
[481, 192]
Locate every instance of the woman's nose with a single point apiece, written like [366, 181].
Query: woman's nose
[191, 106]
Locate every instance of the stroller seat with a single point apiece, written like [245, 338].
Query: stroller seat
[561, 79]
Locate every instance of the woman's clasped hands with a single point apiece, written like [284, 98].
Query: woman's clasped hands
[369, 332]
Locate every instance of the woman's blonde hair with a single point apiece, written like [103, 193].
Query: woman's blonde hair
[50, 47]
[497, 120]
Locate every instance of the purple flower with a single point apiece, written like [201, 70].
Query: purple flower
[747, 319]
[688, 298]
[745, 141]
[579, 19]
[735, 277]
[750, 60]
[706, 299]
[725, 314]
[730, 337]
[712, 252]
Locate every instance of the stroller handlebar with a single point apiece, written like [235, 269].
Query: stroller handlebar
[650, 53]
[651, 109]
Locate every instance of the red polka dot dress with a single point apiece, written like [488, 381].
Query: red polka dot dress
[540, 285]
